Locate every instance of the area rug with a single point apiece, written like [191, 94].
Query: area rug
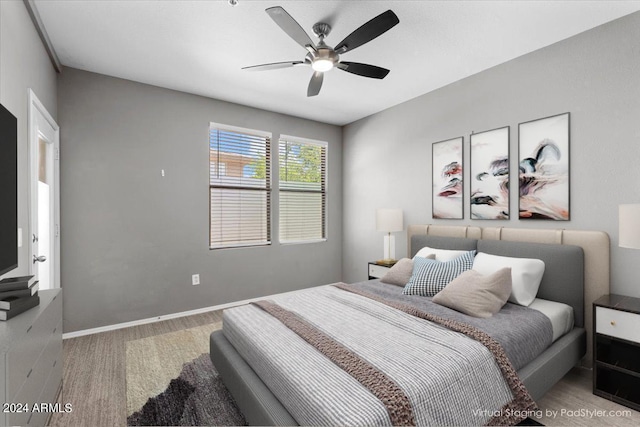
[152, 362]
[197, 397]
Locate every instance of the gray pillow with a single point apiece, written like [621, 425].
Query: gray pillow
[476, 294]
[401, 272]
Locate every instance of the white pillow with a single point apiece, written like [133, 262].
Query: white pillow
[526, 274]
[441, 254]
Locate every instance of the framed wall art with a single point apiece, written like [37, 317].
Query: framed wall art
[543, 159]
[447, 200]
[490, 174]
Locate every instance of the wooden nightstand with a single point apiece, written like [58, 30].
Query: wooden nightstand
[616, 349]
[377, 271]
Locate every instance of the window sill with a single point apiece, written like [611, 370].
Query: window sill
[301, 242]
[247, 245]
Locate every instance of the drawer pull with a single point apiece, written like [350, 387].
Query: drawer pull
[613, 323]
[30, 371]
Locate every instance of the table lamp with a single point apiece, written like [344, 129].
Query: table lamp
[389, 221]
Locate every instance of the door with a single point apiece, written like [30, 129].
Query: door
[44, 176]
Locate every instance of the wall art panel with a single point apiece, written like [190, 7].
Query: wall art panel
[544, 168]
[490, 174]
[447, 179]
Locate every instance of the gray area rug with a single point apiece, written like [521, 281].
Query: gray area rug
[196, 398]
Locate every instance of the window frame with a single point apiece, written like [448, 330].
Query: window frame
[268, 181]
[323, 191]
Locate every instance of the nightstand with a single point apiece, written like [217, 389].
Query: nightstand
[616, 349]
[378, 270]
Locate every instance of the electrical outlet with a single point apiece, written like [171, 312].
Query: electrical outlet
[195, 279]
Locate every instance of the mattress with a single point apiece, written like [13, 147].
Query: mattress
[297, 381]
[560, 315]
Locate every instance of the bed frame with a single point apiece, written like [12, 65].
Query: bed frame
[584, 273]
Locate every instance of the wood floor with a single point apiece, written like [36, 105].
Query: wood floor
[95, 371]
[94, 374]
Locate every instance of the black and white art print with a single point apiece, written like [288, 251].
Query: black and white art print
[447, 179]
[544, 168]
[490, 174]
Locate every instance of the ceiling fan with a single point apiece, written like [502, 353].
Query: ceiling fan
[322, 57]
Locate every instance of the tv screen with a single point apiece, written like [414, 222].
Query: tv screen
[8, 191]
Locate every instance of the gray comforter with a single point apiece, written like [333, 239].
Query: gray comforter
[523, 333]
[449, 378]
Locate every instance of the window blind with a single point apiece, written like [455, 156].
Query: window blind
[239, 188]
[303, 168]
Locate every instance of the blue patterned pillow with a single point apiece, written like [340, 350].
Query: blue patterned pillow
[430, 276]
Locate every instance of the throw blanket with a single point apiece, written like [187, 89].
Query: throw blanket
[447, 377]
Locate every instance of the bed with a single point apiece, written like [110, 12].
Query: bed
[566, 280]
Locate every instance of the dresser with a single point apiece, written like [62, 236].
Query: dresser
[31, 366]
[616, 349]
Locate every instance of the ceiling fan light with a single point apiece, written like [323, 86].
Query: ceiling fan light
[322, 64]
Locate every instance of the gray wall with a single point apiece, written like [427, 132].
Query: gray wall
[131, 239]
[24, 65]
[594, 75]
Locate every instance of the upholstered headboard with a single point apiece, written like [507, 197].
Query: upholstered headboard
[563, 279]
[501, 241]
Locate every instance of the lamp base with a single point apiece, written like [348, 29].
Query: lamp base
[390, 247]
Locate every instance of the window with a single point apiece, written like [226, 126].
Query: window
[303, 168]
[239, 187]
[216, 168]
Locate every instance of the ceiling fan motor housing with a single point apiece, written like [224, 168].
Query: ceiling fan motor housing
[324, 57]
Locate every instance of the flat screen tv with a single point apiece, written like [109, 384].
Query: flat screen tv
[8, 191]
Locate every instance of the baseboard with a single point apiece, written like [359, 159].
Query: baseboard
[108, 328]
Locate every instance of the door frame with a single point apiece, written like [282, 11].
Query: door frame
[36, 106]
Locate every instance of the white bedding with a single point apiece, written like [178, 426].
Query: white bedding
[560, 315]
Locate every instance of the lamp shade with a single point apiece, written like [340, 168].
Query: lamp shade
[389, 220]
[629, 223]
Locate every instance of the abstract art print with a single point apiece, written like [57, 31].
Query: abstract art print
[447, 179]
[490, 174]
[544, 168]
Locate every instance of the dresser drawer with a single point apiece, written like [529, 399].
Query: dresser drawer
[37, 419]
[21, 360]
[377, 271]
[30, 391]
[619, 324]
[51, 358]
[22, 357]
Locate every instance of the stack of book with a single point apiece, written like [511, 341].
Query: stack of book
[17, 294]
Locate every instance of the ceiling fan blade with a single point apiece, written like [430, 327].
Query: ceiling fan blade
[365, 70]
[273, 66]
[315, 84]
[290, 26]
[368, 31]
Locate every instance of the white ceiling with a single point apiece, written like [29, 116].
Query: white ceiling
[199, 46]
